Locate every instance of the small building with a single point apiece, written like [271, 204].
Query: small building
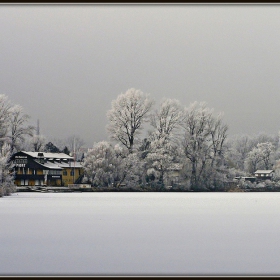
[38, 168]
[243, 179]
[264, 174]
[173, 174]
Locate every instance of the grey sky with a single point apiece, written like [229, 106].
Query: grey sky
[66, 63]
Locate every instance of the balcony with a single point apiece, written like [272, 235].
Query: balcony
[29, 177]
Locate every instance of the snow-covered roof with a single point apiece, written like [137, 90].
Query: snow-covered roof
[70, 164]
[51, 165]
[48, 155]
[263, 171]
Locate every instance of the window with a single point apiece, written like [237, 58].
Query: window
[55, 172]
[65, 172]
[21, 161]
[72, 173]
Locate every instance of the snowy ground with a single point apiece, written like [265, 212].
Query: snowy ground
[140, 234]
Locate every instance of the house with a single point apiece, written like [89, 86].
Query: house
[264, 174]
[38, 168]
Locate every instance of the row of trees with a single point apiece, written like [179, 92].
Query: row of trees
[246, 154]
[190, 139]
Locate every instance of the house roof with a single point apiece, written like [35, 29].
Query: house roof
[56, 161]
[51, 165]
[263, 171]
[48, 155]
[70, 164]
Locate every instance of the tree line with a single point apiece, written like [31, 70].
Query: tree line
[148, 145]
[190, 140]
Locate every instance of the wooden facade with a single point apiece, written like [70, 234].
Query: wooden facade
[264, 174]
[51, 169]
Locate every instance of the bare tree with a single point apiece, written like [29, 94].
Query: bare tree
[267, 149]
[167, 119]
[162, 155]
[18, 128]
[4, 117]
[38, 143]
[252, 160]
[202, 144]
[127, 115]
[218, 133]
[238, 148]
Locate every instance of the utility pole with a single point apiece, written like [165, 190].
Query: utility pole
[38, 128]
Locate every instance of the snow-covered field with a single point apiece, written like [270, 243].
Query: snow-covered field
[140, 234]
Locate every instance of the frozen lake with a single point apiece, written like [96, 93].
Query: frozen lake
[140, 234]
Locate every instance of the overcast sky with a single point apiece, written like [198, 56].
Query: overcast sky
[66, 63]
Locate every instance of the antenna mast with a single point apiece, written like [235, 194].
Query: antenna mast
[38, 128]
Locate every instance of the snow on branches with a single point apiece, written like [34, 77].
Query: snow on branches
[127, 115]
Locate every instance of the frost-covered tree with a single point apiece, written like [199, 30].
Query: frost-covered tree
[6, 176]
[263, 138]
[260, 157]
[238, 148]
[131, 171]
[160, 160]
[4, 117]
[18, 127]
[203, 145]
[144, 148]
[218, 134]
[105, 165]
[166, 121]
[252, 160]
[101, 165]
[162, 155]
[126, 117]
[266, 152]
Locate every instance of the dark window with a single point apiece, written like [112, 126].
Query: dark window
[65, 172]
